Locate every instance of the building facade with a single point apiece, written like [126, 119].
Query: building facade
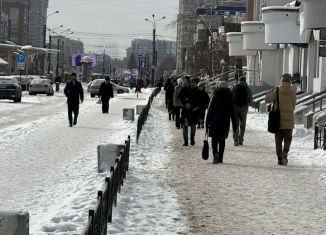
[144, 47]
[197, 21]
[15, 20]
[63, 60]
[37, 23]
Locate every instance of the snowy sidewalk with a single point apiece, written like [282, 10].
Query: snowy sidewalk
[250, 193]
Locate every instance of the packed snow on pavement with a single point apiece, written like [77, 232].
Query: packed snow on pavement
[50, 169]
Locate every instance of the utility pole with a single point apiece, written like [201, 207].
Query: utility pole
[49, 55]
[153, 59]
[58, 58]
[154, 21]
[63, 57]
[103, 63]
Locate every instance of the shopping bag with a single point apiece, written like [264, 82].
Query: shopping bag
[274, 117]
[205, 150]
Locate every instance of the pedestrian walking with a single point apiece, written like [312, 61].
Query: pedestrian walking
[203, 101]
[74, 92]
[220, 112]
[287, 101]
[177, 102]
[169, 99]
[189, 114]
[242, 97]
[105, 94]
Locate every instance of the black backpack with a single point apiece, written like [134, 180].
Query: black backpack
[240, 96]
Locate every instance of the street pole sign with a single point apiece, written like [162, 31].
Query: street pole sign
[143, 64]
[20, 62]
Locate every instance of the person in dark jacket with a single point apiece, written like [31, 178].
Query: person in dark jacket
[242, 97]
[105, 93]
[74, 92]
[189, 114]
[203, 101]
[220, 112]
[169, 99]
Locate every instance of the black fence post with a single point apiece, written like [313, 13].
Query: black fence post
[324, 138]
[98, 218]
[316, 136]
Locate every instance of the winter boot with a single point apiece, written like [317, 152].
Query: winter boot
[279, 160]
[170, 116]
[185, 143]
[220, 158]
[215, 160]
[192, 140]
[284, 159]
[236, 142]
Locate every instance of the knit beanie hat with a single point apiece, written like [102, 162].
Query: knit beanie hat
[180, 81]
[286, 77]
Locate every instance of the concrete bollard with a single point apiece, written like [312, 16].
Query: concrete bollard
[308, 120]
[106, 155]
[139, 108]
[129, 114]
[300, 113]
[14, 223]
[263, 107]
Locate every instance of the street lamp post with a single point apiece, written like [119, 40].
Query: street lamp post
[50, 45]
[154, 21]
[44, 27]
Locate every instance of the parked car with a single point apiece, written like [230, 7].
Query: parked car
[95, 87]
[119, 89]
[10, 89]
[89, 86]
[41, 86]
[23, 81]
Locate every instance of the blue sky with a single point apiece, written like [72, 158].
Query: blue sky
[121, 20]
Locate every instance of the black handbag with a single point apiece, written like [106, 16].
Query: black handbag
[205, 150]
[274, 116]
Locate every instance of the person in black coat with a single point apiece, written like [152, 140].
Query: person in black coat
[220, 112]
[169, 99]
[106, 93]
[73, 91]
[203, 101]
[189, 113]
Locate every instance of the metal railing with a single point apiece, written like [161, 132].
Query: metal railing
[144, 113]
[102, 214]
[320, 136]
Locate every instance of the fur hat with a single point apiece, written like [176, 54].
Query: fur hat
[286, 77]
[223, 84]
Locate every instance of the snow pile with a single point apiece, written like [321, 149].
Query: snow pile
[146, 204]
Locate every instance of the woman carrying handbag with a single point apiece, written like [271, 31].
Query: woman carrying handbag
[284, 98]
[220, 113]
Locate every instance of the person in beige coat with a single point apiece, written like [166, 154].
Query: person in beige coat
[287, 99]
[177, 102]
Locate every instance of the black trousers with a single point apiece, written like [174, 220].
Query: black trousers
[73, 109]
[177, 111]
[218, 144]
[105, 106]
